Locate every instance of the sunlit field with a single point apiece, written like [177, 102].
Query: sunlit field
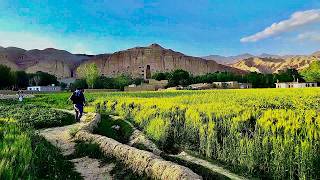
[266, 133]
[271, 132]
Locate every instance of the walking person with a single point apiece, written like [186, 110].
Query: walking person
[20, 96]
[78, 101]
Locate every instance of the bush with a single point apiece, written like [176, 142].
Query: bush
[161, 76]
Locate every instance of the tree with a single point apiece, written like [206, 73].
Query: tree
[89, 72]
[121, 81]
[160, 76]
[312, 73]
[22, 79]
[104, 83]
[42, 79]
[79, 83]
[179, 77]
[7, 77]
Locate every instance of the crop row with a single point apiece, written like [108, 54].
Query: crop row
[272, 133]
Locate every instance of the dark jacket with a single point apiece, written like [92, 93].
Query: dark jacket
[78, 98]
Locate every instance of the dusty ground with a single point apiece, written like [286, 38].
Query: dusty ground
[89, 168]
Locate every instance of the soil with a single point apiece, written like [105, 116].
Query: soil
[89, 168]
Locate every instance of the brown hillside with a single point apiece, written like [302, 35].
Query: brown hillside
[273, 65]
[135, 61]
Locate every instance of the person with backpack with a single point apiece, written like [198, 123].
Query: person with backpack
[78, 101]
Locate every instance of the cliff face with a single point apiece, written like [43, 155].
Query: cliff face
[53, 61]
[137, 61]
[274, 65]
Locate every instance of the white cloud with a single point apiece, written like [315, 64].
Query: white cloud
[297, 19]
[26, 40]
[309, 36]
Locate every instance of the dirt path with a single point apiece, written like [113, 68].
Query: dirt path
[212, 167]
[89, 168]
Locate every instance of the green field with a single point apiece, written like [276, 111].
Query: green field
[264, 133]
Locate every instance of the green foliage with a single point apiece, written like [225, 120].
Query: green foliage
[79, 83]
[269, 133]
[89, 72]
[22, 79]
[179, 77]
[161, 76]
[7, 77]
[312, 73]
[15, 151]
[106, 125]
[24, 155]
[104, 83]
[121, 81]
[49, 163]
[35, 116]
[42, 79]
[289, 75]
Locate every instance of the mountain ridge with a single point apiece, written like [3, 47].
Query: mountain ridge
[132, 61]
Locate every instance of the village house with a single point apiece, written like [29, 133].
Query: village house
[295, 84]
[232, 85]
[44, 88]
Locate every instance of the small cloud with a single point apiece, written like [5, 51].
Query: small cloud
[297, 19]
[309, 36]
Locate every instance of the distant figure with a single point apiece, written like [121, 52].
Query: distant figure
[20, 96]
[78, 101]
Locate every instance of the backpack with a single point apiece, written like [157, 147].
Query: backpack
[76, 99]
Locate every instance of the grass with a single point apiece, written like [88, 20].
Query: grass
[92, 150]
[49, 163]
[24, 154]
[15, 151]
[200, 170]
[270, 132]
[106, 128]
[33, 115]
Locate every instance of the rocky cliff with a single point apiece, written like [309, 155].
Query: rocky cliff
[273, 65]
[154, 58]
[58, 62]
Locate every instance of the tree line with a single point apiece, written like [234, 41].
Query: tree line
[10, 79]
[89, 77]
[258, 80]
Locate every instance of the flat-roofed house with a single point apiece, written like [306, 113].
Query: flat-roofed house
[295, 84]
[44, 88]
[232, 85]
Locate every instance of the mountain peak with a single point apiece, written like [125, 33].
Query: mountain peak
[155, 45]
[317, 53]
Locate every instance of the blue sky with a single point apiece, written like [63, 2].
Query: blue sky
[194, 27]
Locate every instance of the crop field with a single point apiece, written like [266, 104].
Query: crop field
[23, 153]
[263, 133]
[272, 133]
